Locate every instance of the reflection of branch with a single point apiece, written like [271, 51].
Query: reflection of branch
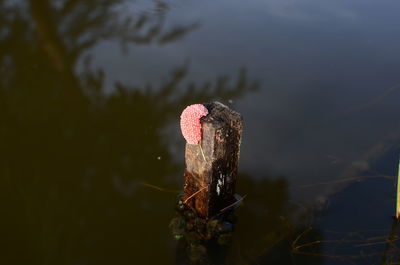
[85, 23]
[341, 180]
[390, 245]
[177, 33]
[361, 165]
[356, 244]
[47, 34]
[389, 91]
[66, 32]
[106, 141]
[222, 88]
[170, 99]
[53, 44]
[357, 169]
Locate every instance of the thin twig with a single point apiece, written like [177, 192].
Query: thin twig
[202, 153]
[341, 180]
[233, 204]
[159, 188]
[294, 243]
[194, 194]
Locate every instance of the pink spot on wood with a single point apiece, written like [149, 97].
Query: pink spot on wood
[190, 122]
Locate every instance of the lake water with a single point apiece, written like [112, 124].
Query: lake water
[92, 156]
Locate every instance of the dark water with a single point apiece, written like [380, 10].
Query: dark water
[91, 156]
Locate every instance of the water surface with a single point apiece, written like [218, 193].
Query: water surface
[91, 152]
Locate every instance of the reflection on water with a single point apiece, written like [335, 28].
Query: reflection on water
[87, 169]
[74, 160]
[267, 230]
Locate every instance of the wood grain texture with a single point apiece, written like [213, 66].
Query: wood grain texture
[209, 181]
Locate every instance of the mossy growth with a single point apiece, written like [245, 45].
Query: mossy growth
[199, 234]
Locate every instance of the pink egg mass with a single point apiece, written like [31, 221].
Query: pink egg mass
[190, 122]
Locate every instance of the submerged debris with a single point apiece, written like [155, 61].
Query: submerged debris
[198, 234]
[188, 224]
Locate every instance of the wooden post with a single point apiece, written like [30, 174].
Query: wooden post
[212, 165]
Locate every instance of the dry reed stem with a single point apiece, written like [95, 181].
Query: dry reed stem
[194, 194]
[159, 188]
[233, 204]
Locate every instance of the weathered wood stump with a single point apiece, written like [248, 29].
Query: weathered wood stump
[212, 165]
